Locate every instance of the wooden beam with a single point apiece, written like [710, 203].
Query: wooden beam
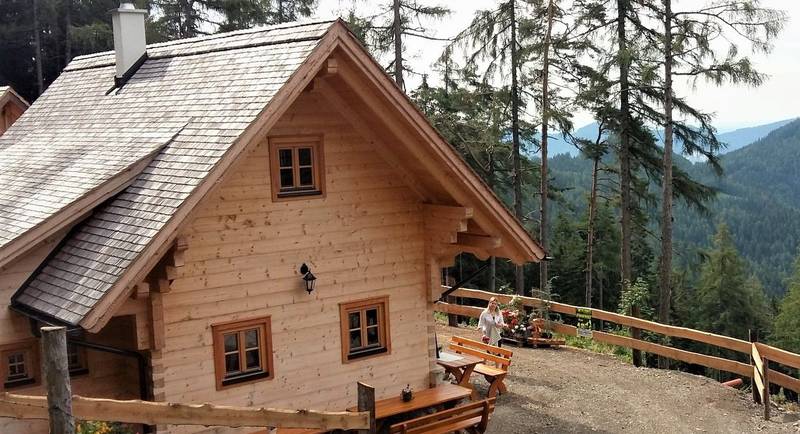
[778, 355]
[158, 413]
[653, 348]
[479, 241]
[332, 66]
[448, 212]
[445, 225]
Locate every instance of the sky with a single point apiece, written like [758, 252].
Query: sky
[733, 107]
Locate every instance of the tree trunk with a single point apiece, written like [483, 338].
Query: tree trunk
[517, 172]
[67, 31]
[398, 46]
[55, 370]
[281, 18]
[545, 120]
[590, 233]
[625, 162]
[665, 265]
[37, 46]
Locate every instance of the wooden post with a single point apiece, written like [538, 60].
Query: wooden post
[366, 402]
[753, 336]
[766, 388]
[55, 371]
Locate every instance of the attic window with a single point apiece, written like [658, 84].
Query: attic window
[296, 166]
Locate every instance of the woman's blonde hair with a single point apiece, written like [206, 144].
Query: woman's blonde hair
[489, 306]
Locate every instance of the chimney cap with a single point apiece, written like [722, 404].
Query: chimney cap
[127, 7]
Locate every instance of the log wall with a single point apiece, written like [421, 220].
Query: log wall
[364, 238]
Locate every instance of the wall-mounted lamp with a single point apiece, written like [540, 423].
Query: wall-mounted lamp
[308, 277]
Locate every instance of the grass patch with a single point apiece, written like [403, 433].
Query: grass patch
[592, 345]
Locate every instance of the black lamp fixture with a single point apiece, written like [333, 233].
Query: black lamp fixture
[308, 277]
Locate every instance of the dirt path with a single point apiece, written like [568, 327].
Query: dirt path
[575, 391]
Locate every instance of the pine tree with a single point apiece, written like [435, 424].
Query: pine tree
[729, 302]
[398, 19]
[786, 333]
[496, 38]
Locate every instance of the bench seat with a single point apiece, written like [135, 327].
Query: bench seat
[491, 355]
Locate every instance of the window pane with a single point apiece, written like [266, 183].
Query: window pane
[355, 340]
[231, 363]
[252, 359]
[304, 156]
[251, 338]
[372, 317]
[355, 320]
[372, 336]
[306, 176]
[285, 157]
[231, 342]
[287, 178]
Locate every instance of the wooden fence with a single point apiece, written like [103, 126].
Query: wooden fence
[61, 408]
[767, 353]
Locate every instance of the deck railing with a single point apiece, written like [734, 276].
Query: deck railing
[766, 352]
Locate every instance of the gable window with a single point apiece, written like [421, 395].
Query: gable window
[242, 351]
[365, 328]
[296, 166]
[18, 364]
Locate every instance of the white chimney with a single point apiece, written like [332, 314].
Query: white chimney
[129, 39]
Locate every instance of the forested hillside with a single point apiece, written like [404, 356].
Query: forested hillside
[758, 198]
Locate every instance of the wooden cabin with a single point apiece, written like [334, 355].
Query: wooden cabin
[173, 213]
[11, 107]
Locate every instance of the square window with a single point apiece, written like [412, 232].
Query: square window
[242, 351]
[365, 328]
[296, 167]
[18, 364]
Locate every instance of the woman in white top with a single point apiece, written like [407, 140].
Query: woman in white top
[491, 322]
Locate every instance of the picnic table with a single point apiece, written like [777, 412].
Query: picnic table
[460, 365]
[436, 396]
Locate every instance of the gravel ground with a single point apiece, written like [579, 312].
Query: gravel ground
[570, 390]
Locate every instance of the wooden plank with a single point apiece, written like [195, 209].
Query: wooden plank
[759, 382]
[784, 380]
[766, 390]
[778, 355]
[479, 241]
[55, 370]
[757, 359]
[673, 353]
[680, 332]
[156, 413]
[448, 211]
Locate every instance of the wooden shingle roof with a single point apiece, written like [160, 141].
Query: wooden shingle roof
[181, 111]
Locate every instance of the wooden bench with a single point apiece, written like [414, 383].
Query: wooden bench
[500, 357]
[473, 417]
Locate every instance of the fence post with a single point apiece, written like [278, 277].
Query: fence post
[55, 370]
[636, 334]
[366, 402]
[753, 337]
[766, 387]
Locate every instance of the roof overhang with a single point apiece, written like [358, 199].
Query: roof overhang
[11, 96]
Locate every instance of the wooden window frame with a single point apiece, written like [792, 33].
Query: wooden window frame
[384, 330]
[315, 142]
[263, 324]
[31, 350]
[83, 358]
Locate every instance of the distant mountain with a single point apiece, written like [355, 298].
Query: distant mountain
[759, 199]
[735, 139]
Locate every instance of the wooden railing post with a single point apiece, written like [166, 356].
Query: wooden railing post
[366, 402]
[753, 337]
[55, 370]
[636, 333]
[766, 388]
